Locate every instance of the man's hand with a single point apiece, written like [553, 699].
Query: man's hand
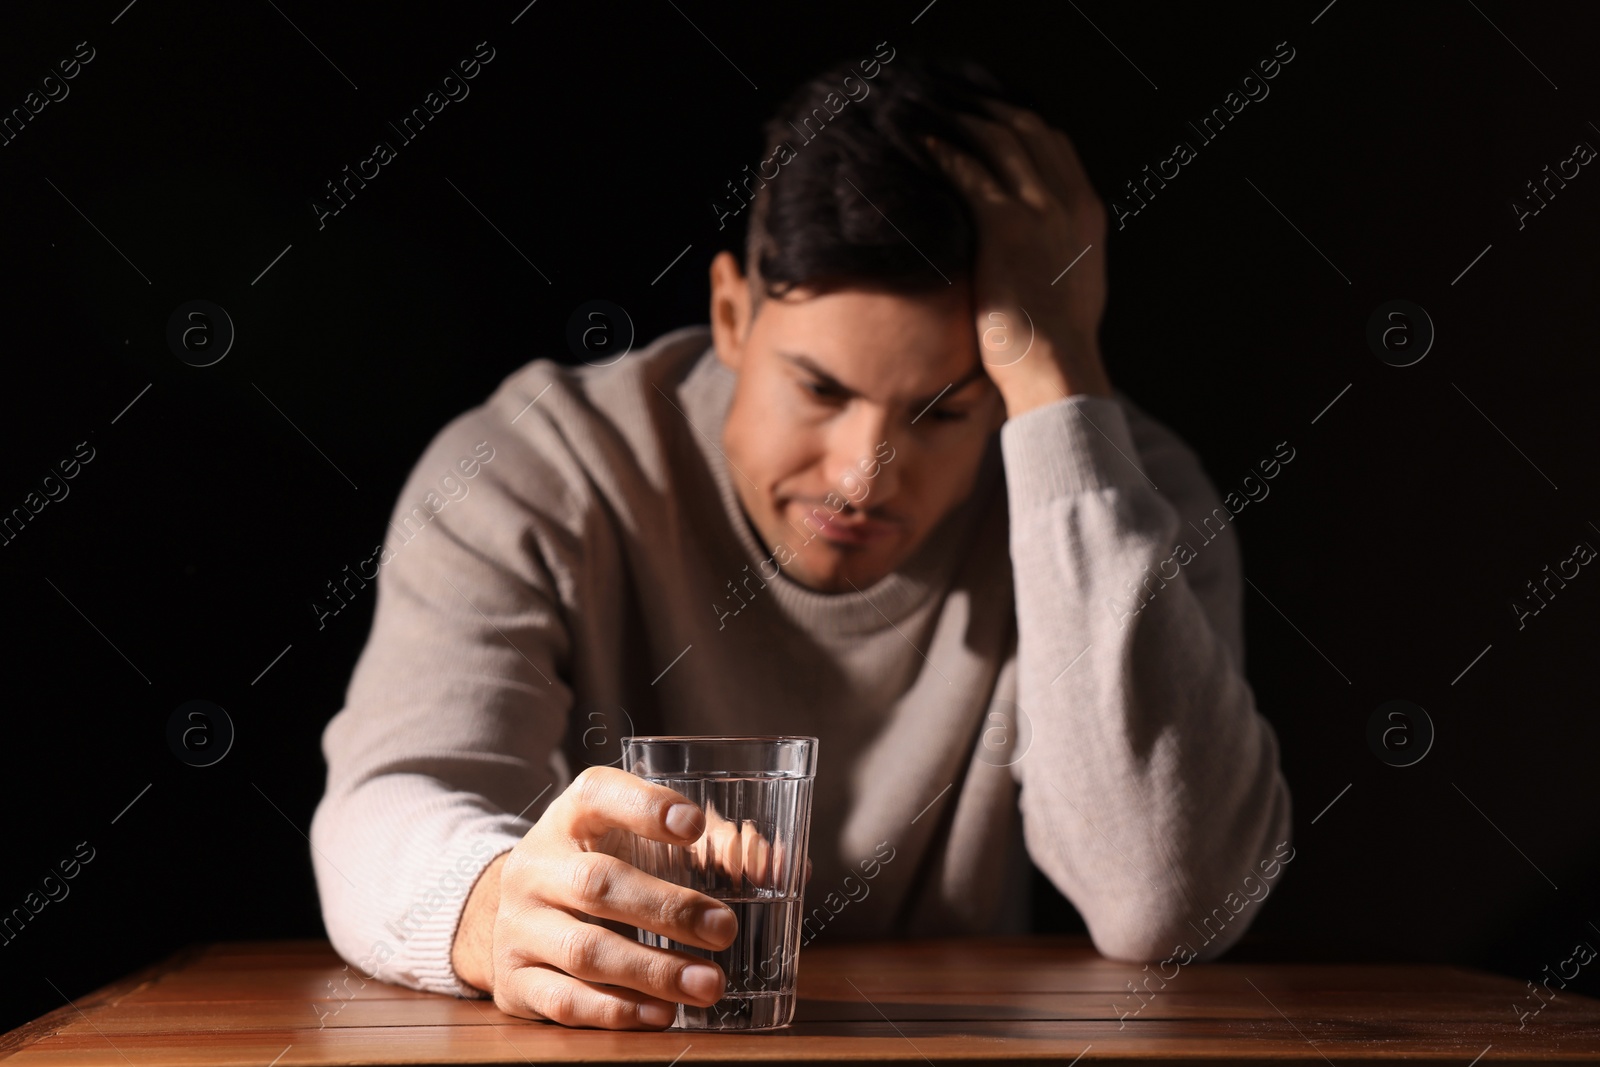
[523, 936]
[1040, 273]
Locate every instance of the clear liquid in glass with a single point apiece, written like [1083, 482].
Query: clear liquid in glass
[752, 857]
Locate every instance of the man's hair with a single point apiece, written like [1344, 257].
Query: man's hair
[863, 203]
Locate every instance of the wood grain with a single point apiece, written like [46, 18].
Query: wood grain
[955, 1001]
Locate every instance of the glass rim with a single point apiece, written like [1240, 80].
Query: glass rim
[680, 739]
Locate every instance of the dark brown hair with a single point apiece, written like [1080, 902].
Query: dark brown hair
[863, 203]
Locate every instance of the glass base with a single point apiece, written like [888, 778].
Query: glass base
[766, 1012]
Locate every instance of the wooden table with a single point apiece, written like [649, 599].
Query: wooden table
[1043, 999]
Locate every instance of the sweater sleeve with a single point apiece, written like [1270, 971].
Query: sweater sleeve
[1150, 790]
[448, 746]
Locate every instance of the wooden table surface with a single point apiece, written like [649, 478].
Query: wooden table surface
[969, 1001]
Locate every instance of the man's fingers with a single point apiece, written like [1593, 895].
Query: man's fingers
[604, 798]
[740, 852]
[749, 856]
[775, 862]
[758, 858]
[605, 887]
[1018, 166]
[1051, 149]
[967, 173]
[542, 992]
[593, 953]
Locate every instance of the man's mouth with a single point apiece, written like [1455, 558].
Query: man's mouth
[843, 528]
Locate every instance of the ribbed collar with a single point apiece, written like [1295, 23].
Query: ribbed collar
[706, 393]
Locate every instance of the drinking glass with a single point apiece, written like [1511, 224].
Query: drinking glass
[756, 795]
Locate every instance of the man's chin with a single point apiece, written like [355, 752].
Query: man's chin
[837, 570]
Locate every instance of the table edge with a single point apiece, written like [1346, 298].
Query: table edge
[36, 1030]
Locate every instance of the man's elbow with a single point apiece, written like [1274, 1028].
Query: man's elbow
[1143, 931]
[1131, 946]
[1163, 931]
[1144, 928]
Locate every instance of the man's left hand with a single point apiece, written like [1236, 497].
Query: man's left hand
[1039, 285]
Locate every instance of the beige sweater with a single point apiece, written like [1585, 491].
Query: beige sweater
[1004, 691]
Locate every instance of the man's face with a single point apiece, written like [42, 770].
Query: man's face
[858, 421]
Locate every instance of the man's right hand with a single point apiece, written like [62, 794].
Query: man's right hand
[523, 936]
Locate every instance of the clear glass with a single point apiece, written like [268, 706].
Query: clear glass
[756, 794]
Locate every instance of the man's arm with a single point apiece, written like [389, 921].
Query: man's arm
[457, 703]
[454, 720]
[1151, 793]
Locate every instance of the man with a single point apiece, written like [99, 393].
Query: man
[890, 499]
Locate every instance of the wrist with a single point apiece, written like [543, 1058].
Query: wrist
[472, 952]
[1054, 377]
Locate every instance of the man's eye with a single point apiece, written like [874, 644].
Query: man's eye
[938, 415]
[820, 390]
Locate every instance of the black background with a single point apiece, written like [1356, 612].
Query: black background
[188, 552]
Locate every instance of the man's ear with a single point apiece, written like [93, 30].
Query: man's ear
[730, 309]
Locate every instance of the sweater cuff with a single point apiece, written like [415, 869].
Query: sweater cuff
[1077, 444]
[429, 946]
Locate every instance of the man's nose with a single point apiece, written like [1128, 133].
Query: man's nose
[859, 473]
